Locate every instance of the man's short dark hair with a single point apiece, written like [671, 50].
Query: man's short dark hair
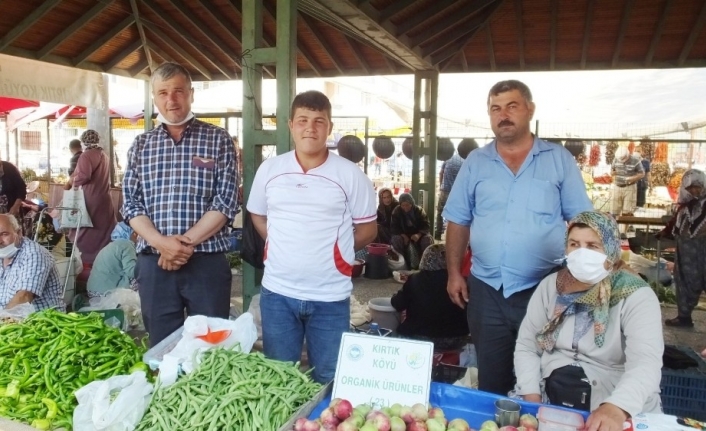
[509, 85]
[314, 100]
[168, 70]
[75, 144]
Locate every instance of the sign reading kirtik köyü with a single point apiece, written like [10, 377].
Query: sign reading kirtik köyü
[381, 371]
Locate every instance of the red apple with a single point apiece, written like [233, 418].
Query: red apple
[436, 412]
[406, 414]
[417, 426]
[347, 426]
[527, 420]
[299, 424]
[341, 408]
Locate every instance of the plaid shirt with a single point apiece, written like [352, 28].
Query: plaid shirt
[176, 183]
[32, 270]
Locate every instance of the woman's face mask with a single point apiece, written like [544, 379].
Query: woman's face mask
[585, 256]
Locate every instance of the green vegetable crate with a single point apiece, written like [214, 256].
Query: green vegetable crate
[305, 410]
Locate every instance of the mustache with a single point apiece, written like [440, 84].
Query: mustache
[506, 123]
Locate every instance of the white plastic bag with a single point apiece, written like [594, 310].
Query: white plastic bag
[18, 312]
[254, 309]
[242, 332]
[98, 409]
[73, 219]
[127, 300]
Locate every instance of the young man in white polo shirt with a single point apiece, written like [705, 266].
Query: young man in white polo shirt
[314, 209]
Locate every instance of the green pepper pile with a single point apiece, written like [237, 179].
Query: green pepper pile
[50, 355]
[231, 390]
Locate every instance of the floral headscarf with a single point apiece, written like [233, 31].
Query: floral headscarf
[690, 220]
[597, 300]
[91, 139]
[121, 231]
[433, 258]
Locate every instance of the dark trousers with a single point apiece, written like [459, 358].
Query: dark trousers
[201, 287]
[494, 322]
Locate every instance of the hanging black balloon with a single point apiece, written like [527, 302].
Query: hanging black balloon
[351, 147]
[444, 149]
[466, 146]
[574, 147]
[407, 147]
[383, 147]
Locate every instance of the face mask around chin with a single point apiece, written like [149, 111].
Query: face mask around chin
[587, 266]
[8, 251]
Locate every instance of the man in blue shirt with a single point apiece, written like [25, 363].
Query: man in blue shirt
[515, 195]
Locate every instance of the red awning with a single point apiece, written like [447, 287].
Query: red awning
[9, 103]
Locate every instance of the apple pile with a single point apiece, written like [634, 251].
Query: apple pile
[527, 423]
[341, 416]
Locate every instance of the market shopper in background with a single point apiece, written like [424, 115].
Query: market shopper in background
[13, 189]
[627, 170]
[76, 151]
[514, 195]
[410, 230]
[179, 194]
[688, 227]
[386, 204]
[92, 174]
[644, 183]
[447, 177]
[429, 313]
[114, 266]
[592, 332]
[28, 273]
[314, 209]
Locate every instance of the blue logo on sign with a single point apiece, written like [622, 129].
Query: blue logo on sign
[355, 352]
[641, 426]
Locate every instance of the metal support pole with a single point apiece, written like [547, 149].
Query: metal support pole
[426, 92]
[149, 107]
[283, 57]
[48, 177]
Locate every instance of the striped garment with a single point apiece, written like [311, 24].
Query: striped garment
[176, 183]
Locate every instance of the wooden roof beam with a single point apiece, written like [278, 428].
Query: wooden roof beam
[357, 53]
[450, 37]
[122, 55]
[464, 61]
[475, 24]
[520, 33]
[202, 27]
[587, 31]
[552, 36]
[28, 22]
[390, 64]
[449, 22]
[418, 19]
[323, 41]
[176, 47]
[71, 29]
[624, 20]
[693, 35]
[98, 44]
[160, 52]
[303, 51]
[218, 16]
[657, 33]
[139, 67]
[141, 31]
[491, 48]
[393, 9]
[176, 28]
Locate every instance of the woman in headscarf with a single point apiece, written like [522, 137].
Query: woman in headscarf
[410, 230]
[114, 266]
[429, 313]
[92, 174]
[386, 204]
[592, 336]
[688, 227]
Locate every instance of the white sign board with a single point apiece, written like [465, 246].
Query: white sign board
[382, 371]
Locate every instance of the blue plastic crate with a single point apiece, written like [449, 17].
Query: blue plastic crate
[684, 391]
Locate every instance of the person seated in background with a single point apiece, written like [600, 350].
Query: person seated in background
[428, 310]
[28, 273]
[114, 266]
[592, 336]
[688, 228]
[386, 204]
[410, 230]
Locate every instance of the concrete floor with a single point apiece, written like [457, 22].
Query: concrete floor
[364, 289]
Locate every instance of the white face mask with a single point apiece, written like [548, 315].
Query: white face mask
[162, 119]
[8, 251]
[587, 266]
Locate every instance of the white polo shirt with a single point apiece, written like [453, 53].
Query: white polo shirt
[310, 216]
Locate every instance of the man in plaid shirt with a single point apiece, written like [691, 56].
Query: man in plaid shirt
[179, 194]
[27, 272]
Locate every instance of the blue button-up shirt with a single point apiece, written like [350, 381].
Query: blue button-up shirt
[518, 222]
[176, 183]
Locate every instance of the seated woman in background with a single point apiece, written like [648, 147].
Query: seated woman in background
[592, 333]
[410, 230]
[114, 266]
[429, 313]
[386, 204]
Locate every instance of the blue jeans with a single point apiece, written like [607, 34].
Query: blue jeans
[286, 322]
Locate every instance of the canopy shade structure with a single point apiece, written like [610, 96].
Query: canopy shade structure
[8, 104]
[360, 37]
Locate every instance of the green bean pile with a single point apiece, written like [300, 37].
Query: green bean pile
[47, 357]
[231, 390]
